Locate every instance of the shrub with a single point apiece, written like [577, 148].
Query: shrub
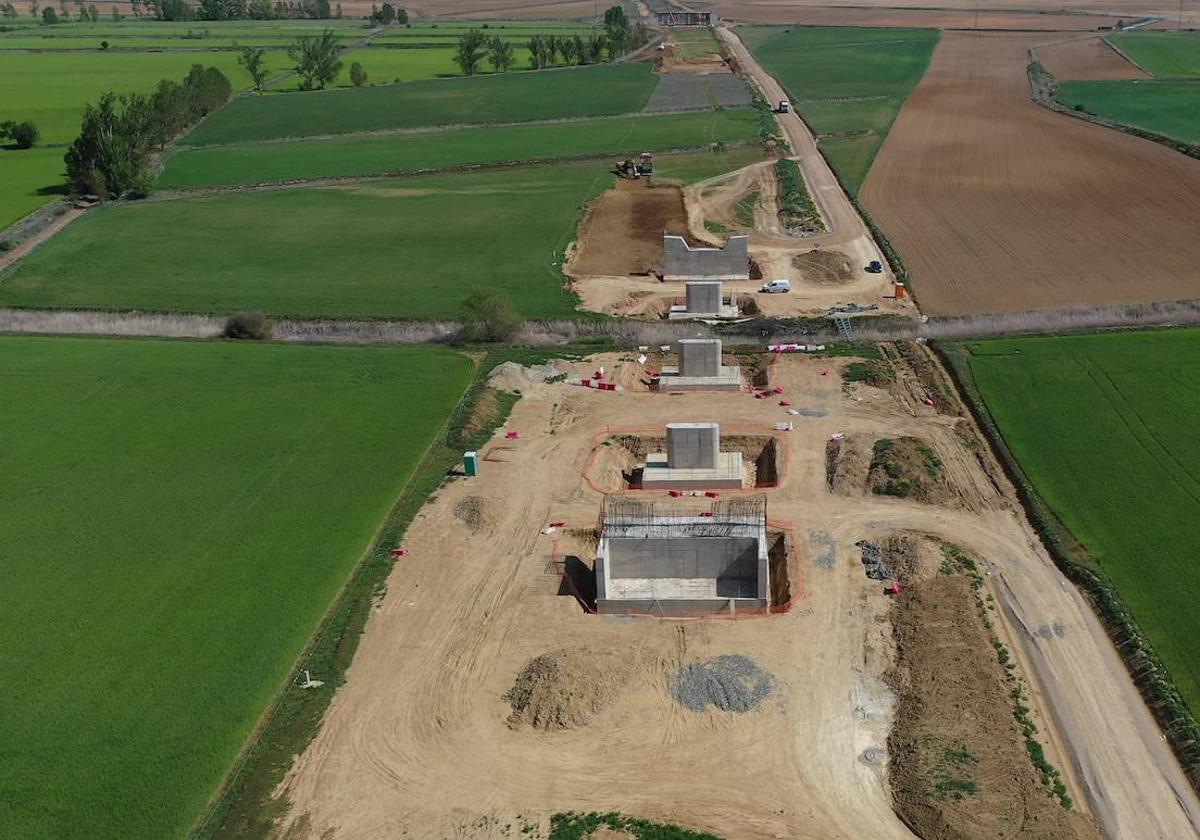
[489, 317]
[23, 134]
[250, 326]
[358, 76]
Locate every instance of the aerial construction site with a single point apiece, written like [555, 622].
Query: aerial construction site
[741, 420]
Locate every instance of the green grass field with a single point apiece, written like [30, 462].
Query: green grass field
[694, 43]
[399, 248]
[1104, 426]
[1170, 108]
[847, 83]
[1165, 54]
[52, 88]
[508, 97]
[177, 517]
[376, 154]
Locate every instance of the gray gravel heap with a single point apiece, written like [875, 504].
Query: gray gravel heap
[732, 683]
[873, 560]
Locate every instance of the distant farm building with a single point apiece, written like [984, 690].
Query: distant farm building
[683, 262]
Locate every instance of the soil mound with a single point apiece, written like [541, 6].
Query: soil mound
[473, 511]
[563, 689]
[824, 268]
[846, 462]
[731, 683]
[907, 468]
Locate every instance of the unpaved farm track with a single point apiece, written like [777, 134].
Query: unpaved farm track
[997, 204]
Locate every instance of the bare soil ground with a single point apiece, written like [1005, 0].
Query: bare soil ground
[622, 233]
[821, 275]
[997, 204]
[1086, 58]
[418, 742]
[947, 17]
[959, 767]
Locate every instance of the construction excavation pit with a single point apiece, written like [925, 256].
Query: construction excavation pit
[688, 457]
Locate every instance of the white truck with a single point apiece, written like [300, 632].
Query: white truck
[784, 107]
[776, 287]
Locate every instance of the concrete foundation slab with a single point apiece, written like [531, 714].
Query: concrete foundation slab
[670, 379]
[725, 474]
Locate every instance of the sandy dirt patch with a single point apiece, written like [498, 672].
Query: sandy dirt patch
[1086, 58]
[997, 204]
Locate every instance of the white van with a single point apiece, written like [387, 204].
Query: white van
[779, 286]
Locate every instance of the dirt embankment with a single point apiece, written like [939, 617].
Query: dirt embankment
[960, 769]
[997, 204]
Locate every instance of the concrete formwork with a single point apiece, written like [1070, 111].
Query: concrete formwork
[682, 564]
[699, 368]
[683, 262]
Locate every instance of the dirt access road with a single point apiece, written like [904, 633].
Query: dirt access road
[998, 204]
[847, 232]
[416, 743]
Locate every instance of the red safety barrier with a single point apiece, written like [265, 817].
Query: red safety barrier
[399, 552]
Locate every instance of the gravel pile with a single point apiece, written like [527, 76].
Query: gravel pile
[732, 683]
[873, 560]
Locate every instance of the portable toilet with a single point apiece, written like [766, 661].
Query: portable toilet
[471, 463]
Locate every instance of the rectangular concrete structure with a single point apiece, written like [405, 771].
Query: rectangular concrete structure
[703, 299]
[682, 564]
[724, 474]
[692, 445]
[693, 461]
[699, 369]
[683, 262]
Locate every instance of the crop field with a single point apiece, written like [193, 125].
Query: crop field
[400, 248]
[52, 88]
[1104, 427]
[997, 204]
[177, 518]
[1167, 55]
[1170, 108]
[380, 153]
[847, 83]
[509, 97]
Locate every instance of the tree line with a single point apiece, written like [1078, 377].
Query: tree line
[120, 132]
[619, 37]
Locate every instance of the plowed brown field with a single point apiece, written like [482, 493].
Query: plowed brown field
[1088, 57]
[997, 204]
